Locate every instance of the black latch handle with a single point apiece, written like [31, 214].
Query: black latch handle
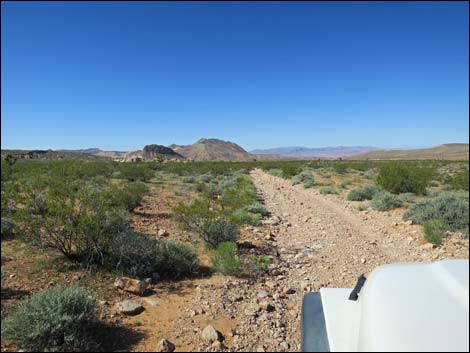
[355, 292]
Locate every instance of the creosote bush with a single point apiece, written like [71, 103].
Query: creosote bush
[218, 230]
[57, 319]
[397, 177]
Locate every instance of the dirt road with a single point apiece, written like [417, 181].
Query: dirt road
[324, 240]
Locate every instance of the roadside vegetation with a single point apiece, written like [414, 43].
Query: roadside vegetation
[82, 212]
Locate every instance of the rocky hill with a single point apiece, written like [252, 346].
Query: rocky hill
[451, 151]
[153, 152]
[218, 150]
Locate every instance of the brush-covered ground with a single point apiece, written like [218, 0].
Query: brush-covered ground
[232, 245]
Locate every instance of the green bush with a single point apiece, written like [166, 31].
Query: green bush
[58, 319]
[218, 230]
[8, 227]
[368, 174]
[140, 255]
[244, 217]
[257, 207]
[135, 172]
[328, 190]
[304, 177]
[398, 177]
[406, 197]
[344, 184]
[176, 260]
[365, 193]
[276, 172]
[433, 231]
[192, 216]
[459, 181]
[385, 201]
[451, 208]
[229, 261]
[226, 260]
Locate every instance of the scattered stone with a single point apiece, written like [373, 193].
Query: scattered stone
[163, 233]
[428, 246]
[165, 346]
[210, 334]
[131, 285]
[284, 345]
[152, 302]
[263, 294]
[129, 307]
[288, 290]
[266, 306]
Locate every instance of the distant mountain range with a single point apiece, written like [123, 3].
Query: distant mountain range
[321, 152]
[449, 151]
[218, 150]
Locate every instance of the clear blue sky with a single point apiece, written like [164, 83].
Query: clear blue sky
[125, 74]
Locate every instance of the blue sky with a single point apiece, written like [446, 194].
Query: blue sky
[262, 74]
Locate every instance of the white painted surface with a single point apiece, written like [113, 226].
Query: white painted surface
[403, 308]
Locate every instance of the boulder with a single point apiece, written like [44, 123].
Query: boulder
[210, 334]
[131, 285]
[165, 346]
[129, 307]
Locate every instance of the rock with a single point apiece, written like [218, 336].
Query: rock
[165, 346]
[284, 345]
[263, 294]
[217, 345]
[163, 233]
[246, 245]
[288, 290]
[428, 246]
[131, 285]
[129, 307]
[152, 302]
[210, 334]
[266, 306]
[363, 261]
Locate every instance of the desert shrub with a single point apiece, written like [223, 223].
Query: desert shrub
[365, 193]
[398, 178]
[176, 260]
[257, 207]
[239, 196]
[127, 196]
[132, 253]
[229, 261]
[368, 174]
[140, 255]
[135, 172]
[244, 217]
[452, 209]
[309, 183]
[218, 230]
[8, 227]
[192, 216]
[78, 224]
[459, 181]
[345, 183]
[328, 190]
[305, 176]
[406, 197]
[189, 179]
[226, 260]
[434, 231]
[434, 183]
[205, 178]
[384, 201]
[290, 169]
[276, 172]
[340, 168]
[57, 319]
